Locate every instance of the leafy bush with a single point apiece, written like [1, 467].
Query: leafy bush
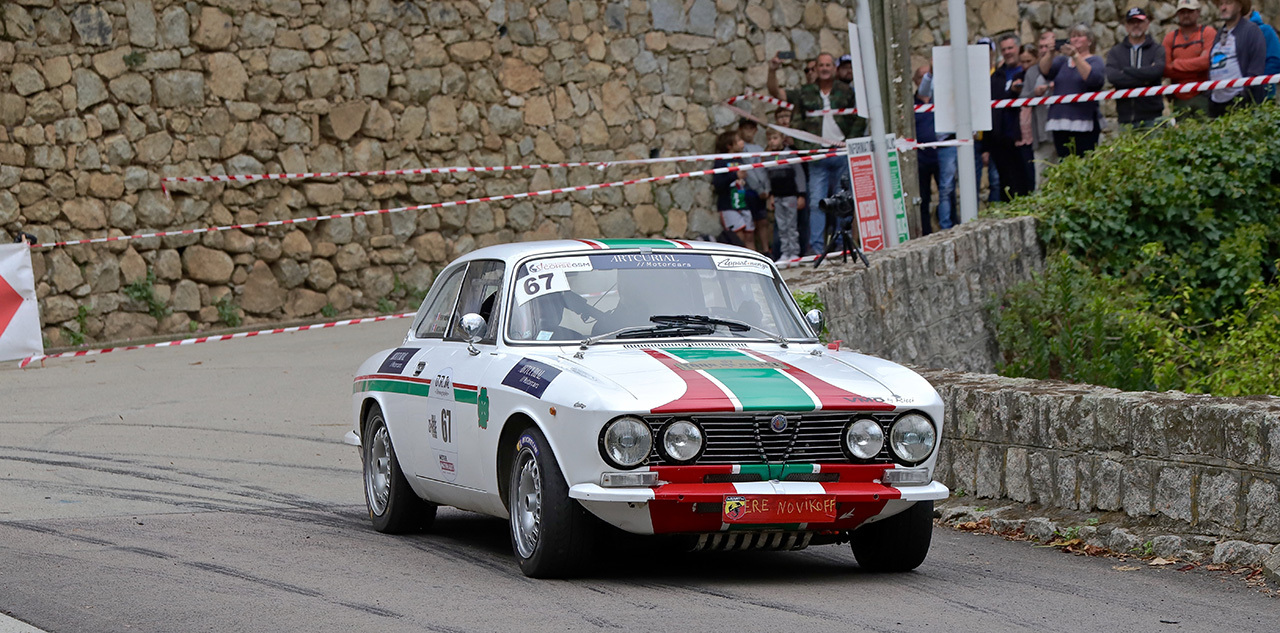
[1205, 193]
[1165, 274]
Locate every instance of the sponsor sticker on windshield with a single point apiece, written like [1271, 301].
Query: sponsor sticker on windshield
[546, 276]
[650, 260]
[743, 263]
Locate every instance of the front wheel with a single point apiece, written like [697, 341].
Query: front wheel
[897, 544]
[552, 535]
[394, 507]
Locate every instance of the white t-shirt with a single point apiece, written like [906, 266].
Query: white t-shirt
[829, 128]
[1224, 64]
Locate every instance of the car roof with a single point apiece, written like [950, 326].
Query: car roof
[515, 251]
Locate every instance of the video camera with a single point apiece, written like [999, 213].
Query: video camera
[840, 210]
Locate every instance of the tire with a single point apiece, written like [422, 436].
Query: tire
[393, 506]
[897, 544]
[552, 535]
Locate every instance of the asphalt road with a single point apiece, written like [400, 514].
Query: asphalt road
[206, 488]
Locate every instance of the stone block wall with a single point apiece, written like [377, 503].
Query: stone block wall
[98, 100]
[1199, 463]
[925, 303]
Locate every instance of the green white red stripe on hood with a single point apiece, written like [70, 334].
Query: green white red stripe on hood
[726, 380]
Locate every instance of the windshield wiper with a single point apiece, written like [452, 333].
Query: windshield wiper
[731, 324]
[646, 331]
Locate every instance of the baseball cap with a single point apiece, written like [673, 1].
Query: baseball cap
[845, 59]
[1136, 14]
[987, 41]
[1190, 5]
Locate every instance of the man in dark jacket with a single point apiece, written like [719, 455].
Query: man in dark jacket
[1137, 62]
[1006, 126]
[1239, 51]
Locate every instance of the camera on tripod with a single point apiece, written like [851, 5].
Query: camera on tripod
[840, 205]
[840, 210]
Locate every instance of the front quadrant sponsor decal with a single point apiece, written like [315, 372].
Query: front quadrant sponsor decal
[482, 408]
[780, 509]
[622, 261]
[531, 377]
[748, 264]
[442, 385]
[397, 360]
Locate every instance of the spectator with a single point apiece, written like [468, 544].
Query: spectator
[757, 188]
[1035, 85]
[787, 187]
[1238, 51]
[824, 175]
[782, 116]
[844, 69]
[936, 164]
[981, 157]
[1075, 69]
[1273, 51]
[1006, 126]
[1186, 58]
[731, 189]
[1028, 58]
[1137, 62]
[810, 76]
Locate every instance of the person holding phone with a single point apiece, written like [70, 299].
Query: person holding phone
[1075, 69]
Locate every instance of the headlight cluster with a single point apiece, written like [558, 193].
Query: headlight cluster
[912, 438]
[627, 441]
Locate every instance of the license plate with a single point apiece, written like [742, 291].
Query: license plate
[779, 509]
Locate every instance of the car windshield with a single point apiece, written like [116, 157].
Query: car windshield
[570, 298]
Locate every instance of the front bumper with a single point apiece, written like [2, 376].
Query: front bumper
[685, 501]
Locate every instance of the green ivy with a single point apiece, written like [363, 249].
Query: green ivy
[228, 311]
[144, 291]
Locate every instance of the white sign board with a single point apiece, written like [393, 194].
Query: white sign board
[19, 310]
[944, 111]
[859, 79]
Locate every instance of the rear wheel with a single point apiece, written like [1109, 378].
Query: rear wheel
[897, 544]
[552, 535]
[394, 507]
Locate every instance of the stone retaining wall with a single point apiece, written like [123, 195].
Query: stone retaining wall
[1199, 463]
[98, 100]
[926, 303]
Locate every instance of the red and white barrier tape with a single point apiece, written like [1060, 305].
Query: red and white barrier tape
[461, 169]
[1102, 95]
[457, 203]
[214, 339]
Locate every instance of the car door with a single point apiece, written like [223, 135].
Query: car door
[409, 407]
[461, 410]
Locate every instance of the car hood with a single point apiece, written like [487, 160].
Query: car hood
[732, 377]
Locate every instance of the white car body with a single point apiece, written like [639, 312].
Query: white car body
[453, 414]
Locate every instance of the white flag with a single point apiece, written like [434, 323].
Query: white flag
[19, 310]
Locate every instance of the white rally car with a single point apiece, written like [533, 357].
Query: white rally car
[662, 387]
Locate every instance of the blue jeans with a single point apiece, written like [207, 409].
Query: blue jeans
[824, 181]
[947, 165]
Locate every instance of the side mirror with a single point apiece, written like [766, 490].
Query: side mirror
[474, 327]
[816, 320]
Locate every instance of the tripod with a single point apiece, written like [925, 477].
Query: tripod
[841, 231]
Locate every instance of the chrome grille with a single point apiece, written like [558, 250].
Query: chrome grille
[745, 438]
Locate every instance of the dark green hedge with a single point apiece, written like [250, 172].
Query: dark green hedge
[1169, 240]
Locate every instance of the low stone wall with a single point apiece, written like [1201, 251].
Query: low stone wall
[925, 303]
[1210, 465]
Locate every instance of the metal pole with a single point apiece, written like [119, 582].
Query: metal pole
[967, 185]
[875, 120]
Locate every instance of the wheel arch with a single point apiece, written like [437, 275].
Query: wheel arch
[516, 423]
[366, 404]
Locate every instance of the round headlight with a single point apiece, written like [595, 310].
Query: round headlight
[864, 438]
[912, 438]
[626, 442]
[682, 441]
